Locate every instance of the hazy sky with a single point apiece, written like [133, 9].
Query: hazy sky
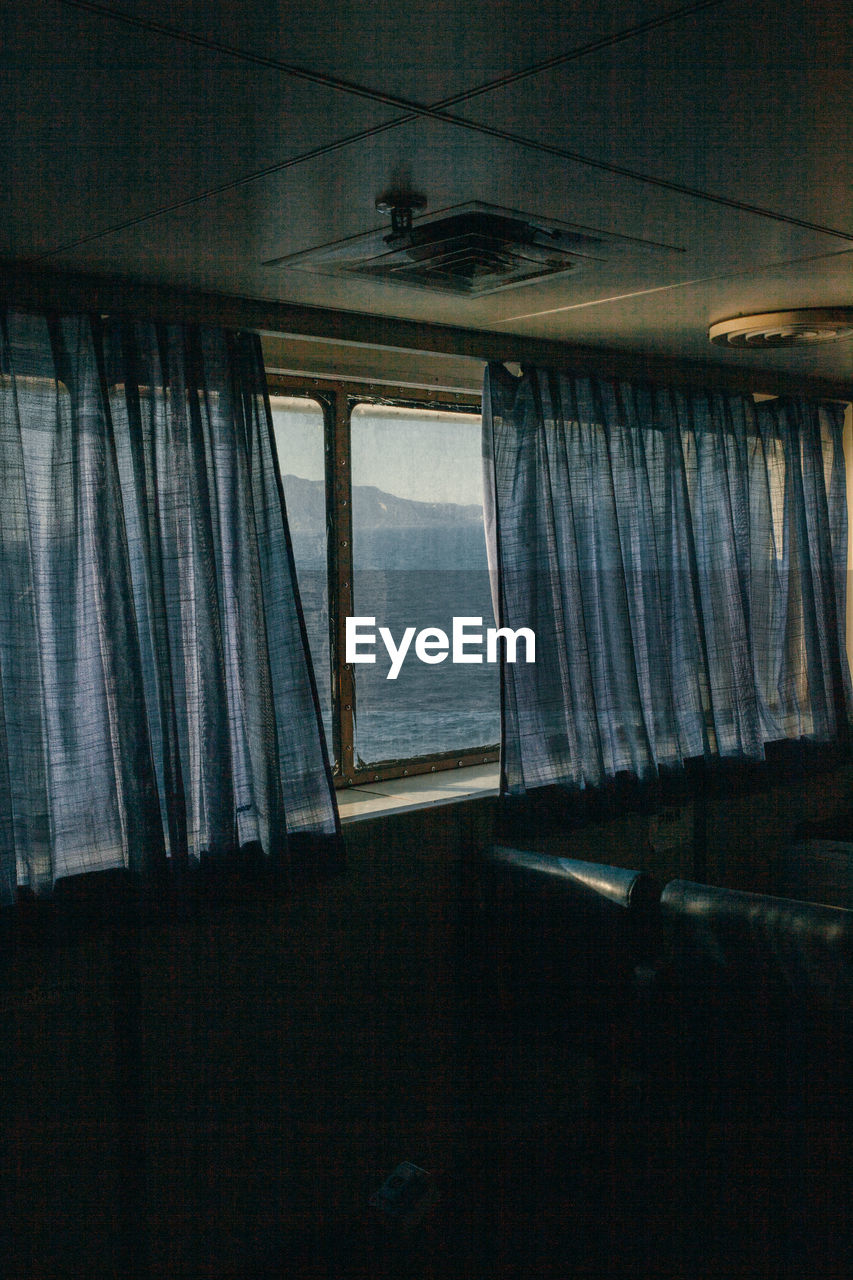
[411, 453]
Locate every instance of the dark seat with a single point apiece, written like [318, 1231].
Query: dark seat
[563, 936]
[750, 953]
[753, 1066]
[592, 881]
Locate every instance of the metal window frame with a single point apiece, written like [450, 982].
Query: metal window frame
[338, 398]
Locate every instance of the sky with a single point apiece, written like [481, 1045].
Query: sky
[416, 454]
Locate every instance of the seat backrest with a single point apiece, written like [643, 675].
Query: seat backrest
[749, 952]
[592, 882]
[565, 934]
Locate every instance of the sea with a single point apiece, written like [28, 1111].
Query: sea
[415, 565]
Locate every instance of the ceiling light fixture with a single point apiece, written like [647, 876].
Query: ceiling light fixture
[784, 328]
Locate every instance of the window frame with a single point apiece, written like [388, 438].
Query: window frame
[338, 398]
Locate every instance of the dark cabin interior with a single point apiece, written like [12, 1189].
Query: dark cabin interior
[604, 1076]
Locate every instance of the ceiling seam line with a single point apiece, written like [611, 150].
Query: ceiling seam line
[415, 111]
[593, 46]
[234, 184]
[676, 284]
[458, 121]
[339, 85]
[696, 193]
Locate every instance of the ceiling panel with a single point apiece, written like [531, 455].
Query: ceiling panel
[110, 124]
[425, 50]
[113, 126]
[747, 103]
[333, 196]
[677, 319]
[223, 243]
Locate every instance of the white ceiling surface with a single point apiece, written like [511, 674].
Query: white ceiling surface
[106, 123]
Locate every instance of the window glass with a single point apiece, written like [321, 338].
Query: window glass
[299, 425]
[419, 560]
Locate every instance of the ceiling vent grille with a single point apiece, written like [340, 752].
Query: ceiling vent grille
[469, 251]
[784, 328]
[473, 254]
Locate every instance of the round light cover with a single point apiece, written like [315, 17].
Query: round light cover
[784, 328]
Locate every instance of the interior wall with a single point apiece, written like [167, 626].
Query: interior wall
[734, 837]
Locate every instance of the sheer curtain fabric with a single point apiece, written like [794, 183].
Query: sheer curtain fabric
[156, 700]
[681, 558]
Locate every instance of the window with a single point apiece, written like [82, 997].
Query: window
[384, 498]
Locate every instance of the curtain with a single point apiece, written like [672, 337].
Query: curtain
[681, 559]
[156, 697]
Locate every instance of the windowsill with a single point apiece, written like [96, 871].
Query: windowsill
[419, 792]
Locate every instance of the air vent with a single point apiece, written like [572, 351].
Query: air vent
[784, 328]
[469, 251]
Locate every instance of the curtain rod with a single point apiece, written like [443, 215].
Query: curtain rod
[52, 291]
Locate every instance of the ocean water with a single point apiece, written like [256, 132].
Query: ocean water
[415, 565]
[428, 708]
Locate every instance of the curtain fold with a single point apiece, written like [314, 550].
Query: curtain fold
[681, 558]
[156, 697]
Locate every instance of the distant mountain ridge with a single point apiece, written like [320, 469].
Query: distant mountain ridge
[372, 508]
[390, 534]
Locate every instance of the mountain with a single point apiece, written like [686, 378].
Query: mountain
[372, 508]
[389, 533]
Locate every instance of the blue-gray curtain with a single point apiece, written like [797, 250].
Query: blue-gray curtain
[156, 698]
[682, 560]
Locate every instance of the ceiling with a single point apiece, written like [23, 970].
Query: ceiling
[190, 144]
